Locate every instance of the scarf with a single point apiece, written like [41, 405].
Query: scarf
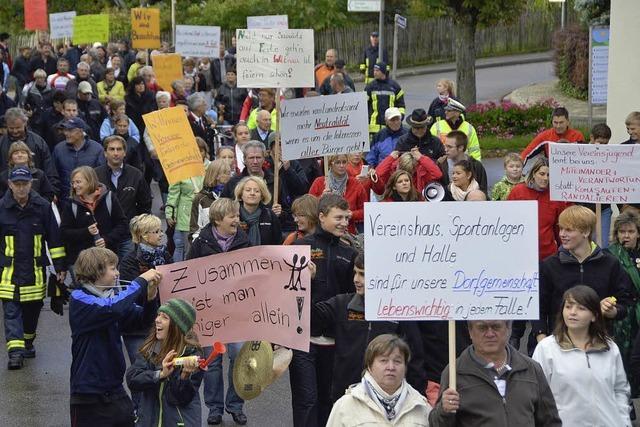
[536, 187]
[94, 290]
[223, 241]
[459, 194]
[253, 222]
[390, 403]
[444, 98]
[217, 191]
[91, 205]
[337, 185]
[151, 255]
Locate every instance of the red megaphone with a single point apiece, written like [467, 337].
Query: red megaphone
[218, 348]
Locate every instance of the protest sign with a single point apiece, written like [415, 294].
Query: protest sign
[174, 143]
[35, 14]
[324, 126]
[275, 58]
[145, 28]
[61, 24]
[268, 22]
[258, 293]
[594, 173]
[451, 261]
[88, 29]
[167, 67]
[195, 40]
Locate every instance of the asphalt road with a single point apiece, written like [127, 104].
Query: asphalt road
[38, 395]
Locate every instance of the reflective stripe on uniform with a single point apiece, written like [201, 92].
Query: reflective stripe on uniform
[57, 252]
[37, 271]
[8, 246]
[15, 344]
[32, 292]
[29, 336]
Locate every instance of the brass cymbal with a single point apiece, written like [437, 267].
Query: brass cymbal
[253, 369]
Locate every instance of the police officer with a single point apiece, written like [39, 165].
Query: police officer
[27, 224]
[454, 120]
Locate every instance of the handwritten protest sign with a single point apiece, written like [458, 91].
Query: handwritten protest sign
[275, 58]
[145, 28]
[594, 173]
[451, 261]
[90, 28]
[259, 293]
[195, 40]
[324, 125]
[268, 22]
[175, 144]
[35, 14]
[61, 24]
[167, 67]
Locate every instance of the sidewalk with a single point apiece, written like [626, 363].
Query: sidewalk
[498, 61]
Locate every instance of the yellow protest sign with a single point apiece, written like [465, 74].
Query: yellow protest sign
[88, 29]
[145, 28]
[167, 67]
[174, 143]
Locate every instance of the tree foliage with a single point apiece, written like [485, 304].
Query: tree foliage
[593, 12]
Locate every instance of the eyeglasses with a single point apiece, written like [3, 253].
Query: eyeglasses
[339, 162]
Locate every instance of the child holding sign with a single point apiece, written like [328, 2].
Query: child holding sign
[169, 392]
[97, 315]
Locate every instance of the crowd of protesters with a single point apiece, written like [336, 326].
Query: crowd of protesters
[76, 171]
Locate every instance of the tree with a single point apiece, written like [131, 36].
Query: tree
[468, 16]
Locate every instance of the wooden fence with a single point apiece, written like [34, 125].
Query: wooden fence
[424, 41]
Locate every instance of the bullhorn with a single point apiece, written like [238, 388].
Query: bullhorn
[433, 192]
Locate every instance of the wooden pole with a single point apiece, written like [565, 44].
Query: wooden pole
[599, 224]
[452, 354]
[275, 153]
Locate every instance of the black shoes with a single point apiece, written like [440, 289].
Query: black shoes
[214, 419]
[239, 418]
[29, 351]
[16, 361]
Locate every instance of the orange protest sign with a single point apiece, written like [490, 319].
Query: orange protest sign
[167, 67]
[145, 28]
[174, 143]
[35, 15]
[258, 293]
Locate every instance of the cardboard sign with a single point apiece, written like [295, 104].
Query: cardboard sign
[145, 28]
[88, 29]
[268, 22]
[61, 24]
[451, 260]
[194, 40]
[275, 58]
[35, 15]
[258, 293]
[324, 126]
[175, 144]
[594, 173]
[167, 67]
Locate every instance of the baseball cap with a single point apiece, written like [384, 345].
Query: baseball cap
[391, 113]
[74, 123]
[85, 87]
[20, 173]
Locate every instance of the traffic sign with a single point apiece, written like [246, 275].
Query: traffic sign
[363, 6]
[401, 21]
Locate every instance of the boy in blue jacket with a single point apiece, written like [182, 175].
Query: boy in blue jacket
[98, 313]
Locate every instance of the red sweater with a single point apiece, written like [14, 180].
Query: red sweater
[548, 213]
[426, 172]
[354, 194]
[549, 135]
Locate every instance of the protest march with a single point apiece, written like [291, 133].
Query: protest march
[196, 203]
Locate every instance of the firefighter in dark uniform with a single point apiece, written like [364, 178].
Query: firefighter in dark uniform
[370, 57]
[382, 93]
[27, 225]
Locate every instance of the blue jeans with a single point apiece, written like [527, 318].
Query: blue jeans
[124, 248]
[310, 375]
[180, 239]
[606, 226]
[214, 383]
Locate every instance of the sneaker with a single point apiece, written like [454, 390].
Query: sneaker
[214, 419]
[16, 361]
[29, 351]
[239, 418]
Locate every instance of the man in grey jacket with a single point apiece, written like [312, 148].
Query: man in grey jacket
[496, 385]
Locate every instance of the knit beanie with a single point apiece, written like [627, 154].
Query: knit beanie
[180, 312]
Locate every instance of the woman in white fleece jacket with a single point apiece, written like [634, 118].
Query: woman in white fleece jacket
[583, 365]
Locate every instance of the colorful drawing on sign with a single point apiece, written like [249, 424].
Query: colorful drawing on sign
[324, 126]
[451, 261]
[145, 28]
[238, 295]
[35, 14]
[594, 173]
[61, 24]
[89, 29]
[167, 67]
[174, 143]
[275, 58]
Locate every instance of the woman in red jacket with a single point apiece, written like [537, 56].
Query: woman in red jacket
[400, 188]
[423, 170]
[339, 182]
[536, 187]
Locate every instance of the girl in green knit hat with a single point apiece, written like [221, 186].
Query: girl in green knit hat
[169, 392]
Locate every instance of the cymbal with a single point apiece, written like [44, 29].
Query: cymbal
[253, 369]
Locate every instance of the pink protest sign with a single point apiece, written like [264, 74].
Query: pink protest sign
[260, 293]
